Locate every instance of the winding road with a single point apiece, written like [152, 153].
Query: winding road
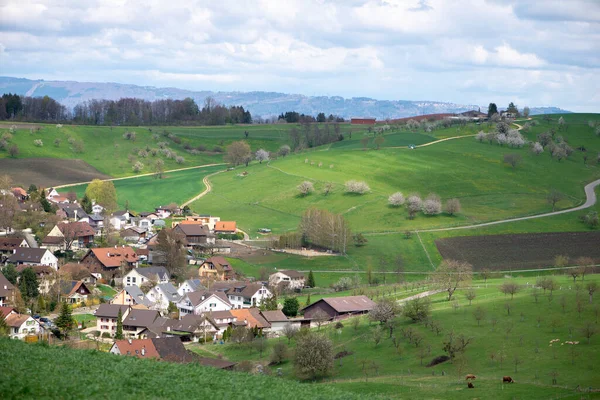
[204, 192]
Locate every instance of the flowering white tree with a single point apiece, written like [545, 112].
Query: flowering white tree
[537, 148]
[481, 136]
[262, 155]
[396, 199]
[413, 205]
[501, 139]
[358, 187]
[432, 205]
[305, 188]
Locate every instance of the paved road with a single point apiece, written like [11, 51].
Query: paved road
[139, 176]
[591, 199]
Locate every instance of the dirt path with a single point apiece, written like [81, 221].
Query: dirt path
[138, 176]
[420, 295]
[205, 191]
[591, 199]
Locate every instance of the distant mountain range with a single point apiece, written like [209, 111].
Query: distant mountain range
[263, 104]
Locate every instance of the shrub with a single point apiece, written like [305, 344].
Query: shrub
[396, 199]
[106, 335]
[57, 142]
[305, 188]
[6, 136]
[38, 143]
[417, 309]
[279, 354]
[201, 147]
[138, 166]
[143, 153]
[217, 149]
[129, 135]
[179, 160]
[357, 187]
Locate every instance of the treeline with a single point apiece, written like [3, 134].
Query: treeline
[13, 106]
[125, 111]
[312, 135]
[295, 117]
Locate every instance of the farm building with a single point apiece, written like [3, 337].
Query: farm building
[362, 121]
[336, 307]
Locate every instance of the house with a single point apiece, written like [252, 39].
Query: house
[51, 192]
[216, 268]
[191, 285]
[474, 114]
[97, 208]
[5, 311]
[78, 272]
[198, 327]
[291, 279]
[8, 245]
[137, 320]
[243, 294]
[19, 193]
[195, 234]
[148, 215]
[74, 212]
[108, 260]
[225, 227]
[21, 325]
[276, 319]
[96, 221]
[336, 307]
[207, 220]
[167, 211]
[106, 317]
[142, 222]
[165, 349]
[134, 234]
[7, 291]
[146, 275]
[362, 121]
[161, 327]
[29, 256]
[74, 292]
[251, 317]
[203, 301]
[131, 296]
[46, 276]
[119, 220]
[508, 114]
[69, 236]
[162, 294]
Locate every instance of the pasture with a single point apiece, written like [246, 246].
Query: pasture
[146, 192]
[511, 340]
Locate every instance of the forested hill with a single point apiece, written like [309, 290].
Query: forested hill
[265, 104]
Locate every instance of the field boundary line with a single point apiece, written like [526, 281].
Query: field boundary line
[424, 249]
[139, 176]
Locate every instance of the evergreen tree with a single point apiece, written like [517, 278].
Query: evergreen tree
[64, 321]
[28, 284]
[119, 333]
[10, 273]
[311, 280]
[86, 204]
[290, 307]
[308, 300]
[492, 109]
[44, 202]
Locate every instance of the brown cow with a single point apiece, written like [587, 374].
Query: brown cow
[507, 379]
[470, 385]
[470, 376]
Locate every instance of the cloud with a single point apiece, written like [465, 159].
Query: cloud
[391, 49]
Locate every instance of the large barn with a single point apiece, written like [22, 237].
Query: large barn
[336, 307]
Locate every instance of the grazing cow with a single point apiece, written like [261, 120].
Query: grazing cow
[470, 376]
[470, 385]
[507, 379]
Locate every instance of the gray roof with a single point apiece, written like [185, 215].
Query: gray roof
[4, 283]
[349, 303]
[195, 284]
[171, 349]
[274, 316]
[198, 297]
[292, 274]
[27, 255]
[110, 310]
[138, 295]
[194, 229]
[96, 217]
[70, 208]
[159, 326]
[141, 318]
[246, 290]
[152, 272]
[170, 291]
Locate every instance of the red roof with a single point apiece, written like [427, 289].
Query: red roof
[76, 229]
[113, 256]
[4, 311]
[225, 226]
[140, 348]
[18, 191]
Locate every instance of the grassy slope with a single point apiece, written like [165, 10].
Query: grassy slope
[470, 171]
[145, 193]
[63, 373]
[402, 376]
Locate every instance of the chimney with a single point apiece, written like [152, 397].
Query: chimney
[129, 340]
[144, 351]
[168, 329]
[75, 211]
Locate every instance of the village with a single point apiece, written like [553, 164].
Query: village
[150, 312]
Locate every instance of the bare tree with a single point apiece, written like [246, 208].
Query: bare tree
[509, 288]
[320, 317]
[377, 334]
[9, 207]
[589, 330]
[313, 356]
[456, 344]
[485, 274]
[238, 153]
[452, 274]
[327, 188]
[554, 197]
[479, 314]
[591, 288]
[585, 264]
[513, 159]
[470, 295]
[306, 188]
[171, 246]
[452, 206]
[526, 111]
[290, 332]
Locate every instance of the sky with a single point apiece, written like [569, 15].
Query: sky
[534, 53]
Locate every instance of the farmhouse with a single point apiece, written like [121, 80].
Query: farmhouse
[243, 295]
[131, 296]
[225, 227]
[69, 236]
[108, 260]
[195, 234]
[166, 211]
[165, 349]
[291, 279]
[362, 121]
[29, 256]
[146, 275]
[474, 114]
[203, 301]
[194, 327]
[336, 307]
[7, 291]
[21, 325]
[106, 317]
[216, 268]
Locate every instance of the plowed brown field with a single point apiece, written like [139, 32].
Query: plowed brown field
[46, 172]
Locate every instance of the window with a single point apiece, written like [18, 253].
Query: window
[212, 305]
[133, 279]
[128, 279]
